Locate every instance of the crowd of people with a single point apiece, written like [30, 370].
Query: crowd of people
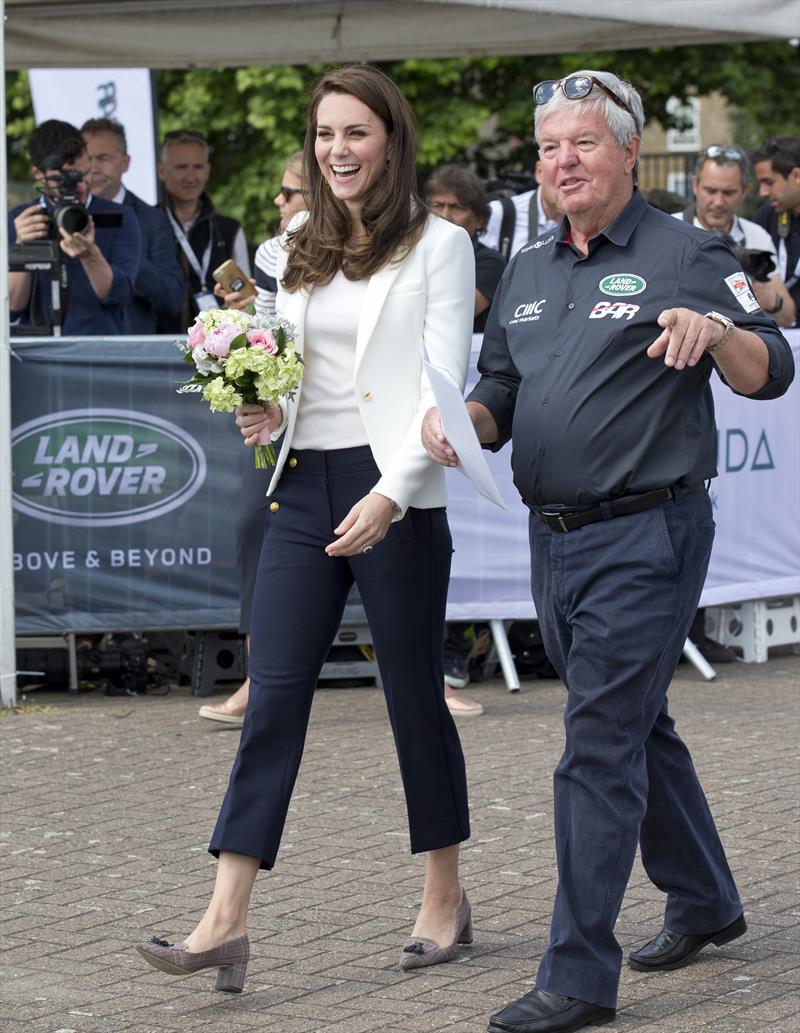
[153, 271]
[612, 426]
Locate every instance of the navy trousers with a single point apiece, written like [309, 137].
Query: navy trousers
[615, 600]
[298, 603]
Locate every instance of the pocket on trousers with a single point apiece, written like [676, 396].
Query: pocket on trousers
[668, 551]
[405, 530]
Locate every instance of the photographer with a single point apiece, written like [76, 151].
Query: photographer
[720, 184]
[101, 261]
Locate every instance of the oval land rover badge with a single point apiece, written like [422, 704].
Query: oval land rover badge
[103, 467]
[622, 285]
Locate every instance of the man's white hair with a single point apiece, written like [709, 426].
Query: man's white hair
[621, 124]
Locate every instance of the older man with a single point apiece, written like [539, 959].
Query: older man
[596, 362]
[720, 184]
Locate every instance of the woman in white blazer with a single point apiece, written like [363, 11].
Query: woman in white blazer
[369, 279]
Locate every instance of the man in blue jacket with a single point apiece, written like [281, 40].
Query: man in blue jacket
[158, 292]
[101, 262]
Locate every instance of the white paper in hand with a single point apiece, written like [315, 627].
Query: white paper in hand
[461, 434]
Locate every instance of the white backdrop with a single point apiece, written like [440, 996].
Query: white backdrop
[756, 500]
[122, 94]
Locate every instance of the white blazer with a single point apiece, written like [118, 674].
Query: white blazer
[426, 299]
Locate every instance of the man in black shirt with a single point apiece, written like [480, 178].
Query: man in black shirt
[777, 166]
[455, 193]
[596, 362]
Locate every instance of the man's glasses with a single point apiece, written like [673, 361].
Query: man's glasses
[729, 153]
[289, 192]
[576, 87]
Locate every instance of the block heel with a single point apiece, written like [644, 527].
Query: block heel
[173, 958]
[230, 980]
[419, 952]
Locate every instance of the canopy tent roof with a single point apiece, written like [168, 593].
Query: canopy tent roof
[181, 33]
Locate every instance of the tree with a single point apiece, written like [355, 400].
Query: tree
[467, 109]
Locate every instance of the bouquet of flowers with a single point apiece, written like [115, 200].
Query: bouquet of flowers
[241, 358]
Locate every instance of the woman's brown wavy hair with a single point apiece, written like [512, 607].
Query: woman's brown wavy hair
[392, 212]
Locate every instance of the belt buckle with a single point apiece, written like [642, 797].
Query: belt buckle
[558, 517]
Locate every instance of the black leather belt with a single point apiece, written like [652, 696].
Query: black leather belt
[571, 521]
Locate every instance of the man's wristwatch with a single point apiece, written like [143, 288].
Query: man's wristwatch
[729, 327]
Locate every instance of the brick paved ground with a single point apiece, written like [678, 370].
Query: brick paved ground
[109, 804]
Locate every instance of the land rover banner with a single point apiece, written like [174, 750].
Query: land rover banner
[125, 493]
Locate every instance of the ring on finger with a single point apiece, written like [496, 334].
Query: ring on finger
[366, 550]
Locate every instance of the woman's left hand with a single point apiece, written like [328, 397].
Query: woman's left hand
[364, 526]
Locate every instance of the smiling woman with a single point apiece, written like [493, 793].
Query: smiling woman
[360, 160]
[370, 280]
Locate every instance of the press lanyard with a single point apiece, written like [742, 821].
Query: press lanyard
[200, 271]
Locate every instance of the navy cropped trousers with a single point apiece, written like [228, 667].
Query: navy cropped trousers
[615, 600]
[298, 603]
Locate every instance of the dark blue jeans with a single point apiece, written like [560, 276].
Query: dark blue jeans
[615, 600]
[298, 603]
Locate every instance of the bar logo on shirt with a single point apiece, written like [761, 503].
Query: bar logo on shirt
[622, 285]
[740, 288]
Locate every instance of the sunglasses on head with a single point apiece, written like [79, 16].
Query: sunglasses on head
[731, 153]
[289, 192]
[576, 87]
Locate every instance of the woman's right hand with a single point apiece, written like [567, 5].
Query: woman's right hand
[256, 422]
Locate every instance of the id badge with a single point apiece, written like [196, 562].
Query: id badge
[204, 301]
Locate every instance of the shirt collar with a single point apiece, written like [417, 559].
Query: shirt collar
[621, 229]
[119, 197]
[736, 232]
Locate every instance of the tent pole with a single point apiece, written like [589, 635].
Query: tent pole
[8, 653]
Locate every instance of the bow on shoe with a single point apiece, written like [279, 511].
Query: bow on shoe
[414, 948]
[159, 943]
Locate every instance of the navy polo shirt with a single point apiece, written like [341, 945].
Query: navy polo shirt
[564, 369]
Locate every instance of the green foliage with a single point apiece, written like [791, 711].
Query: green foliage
[479, 111]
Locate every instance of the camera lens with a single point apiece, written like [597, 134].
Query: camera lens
[73, 218]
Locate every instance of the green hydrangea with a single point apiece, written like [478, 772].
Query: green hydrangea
[220, 396]
[211, 318]
[281, 377]
[247, 360]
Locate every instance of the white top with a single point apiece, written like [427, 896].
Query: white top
[266, 263]
[522, 203]
[327, 413]
[743, 231]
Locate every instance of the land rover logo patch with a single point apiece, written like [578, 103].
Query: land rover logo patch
[622, 285]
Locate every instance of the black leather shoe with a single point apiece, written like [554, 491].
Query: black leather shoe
[674, 950]
[541, 1012]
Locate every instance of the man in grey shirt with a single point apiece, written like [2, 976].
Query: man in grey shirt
[596, 363]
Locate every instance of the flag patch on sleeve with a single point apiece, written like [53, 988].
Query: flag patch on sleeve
[740, 288]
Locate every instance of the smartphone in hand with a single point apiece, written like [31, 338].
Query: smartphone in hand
[231, 278]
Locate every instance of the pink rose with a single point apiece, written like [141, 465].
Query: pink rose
[197, 335]
[218, 342]
[263, 339]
